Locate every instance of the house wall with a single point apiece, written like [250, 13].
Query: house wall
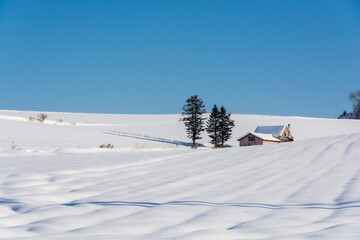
[268, 142]
[245, 141]
[286, 135]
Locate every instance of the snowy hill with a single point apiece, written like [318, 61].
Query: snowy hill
[57, 183]
[128, 131]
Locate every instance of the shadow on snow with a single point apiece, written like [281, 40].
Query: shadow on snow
[154, 139]
[336, 206]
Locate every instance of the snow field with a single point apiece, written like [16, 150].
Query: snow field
[51, 188]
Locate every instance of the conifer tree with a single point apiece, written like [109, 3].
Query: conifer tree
[193, 120]
[226, 125]
[213, 127]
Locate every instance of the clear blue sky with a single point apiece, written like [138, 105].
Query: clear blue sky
[254, 57]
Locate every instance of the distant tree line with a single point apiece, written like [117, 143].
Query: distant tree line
[355, 114]
[219, 124]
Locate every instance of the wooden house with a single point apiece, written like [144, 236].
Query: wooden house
[266, 135]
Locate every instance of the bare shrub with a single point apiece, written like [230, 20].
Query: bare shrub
[31, 119]
[107, 146]
[13, 147]
[60, 120]
[355, 99]
[141, 146]
[42, 117]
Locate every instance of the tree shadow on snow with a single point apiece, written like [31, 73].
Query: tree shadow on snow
[154, 139]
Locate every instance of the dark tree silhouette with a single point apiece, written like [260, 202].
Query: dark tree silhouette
[226, 125]
[193, 120]
[213, 127]
[355, 99]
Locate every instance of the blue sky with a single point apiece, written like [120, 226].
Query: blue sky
[254, 57]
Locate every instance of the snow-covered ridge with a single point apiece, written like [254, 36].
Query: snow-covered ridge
[78, 130]
[23, 119]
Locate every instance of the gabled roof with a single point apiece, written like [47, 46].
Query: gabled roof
[267, 137]
[275, 131]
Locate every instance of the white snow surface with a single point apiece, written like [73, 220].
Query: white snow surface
[57, 184]
[275, 131]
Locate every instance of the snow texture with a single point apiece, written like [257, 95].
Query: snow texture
[56, 183]
[275, 131]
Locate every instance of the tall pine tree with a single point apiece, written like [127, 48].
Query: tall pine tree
[226, 125]
[213, 127]
[193, 120]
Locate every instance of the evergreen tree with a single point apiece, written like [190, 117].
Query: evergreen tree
[226, 125]
[213, 127]
[193, 120]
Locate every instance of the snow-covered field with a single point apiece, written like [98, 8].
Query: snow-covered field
[57, 183]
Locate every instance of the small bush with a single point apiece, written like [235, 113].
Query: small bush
[13, 147]
[60, 120]
[42, 117]
[141, 146]
[31, 119]
[107, 146]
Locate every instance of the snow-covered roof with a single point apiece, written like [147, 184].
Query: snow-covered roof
[275, 131]
[262, 136]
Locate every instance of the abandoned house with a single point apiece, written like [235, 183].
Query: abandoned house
[267, 135]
